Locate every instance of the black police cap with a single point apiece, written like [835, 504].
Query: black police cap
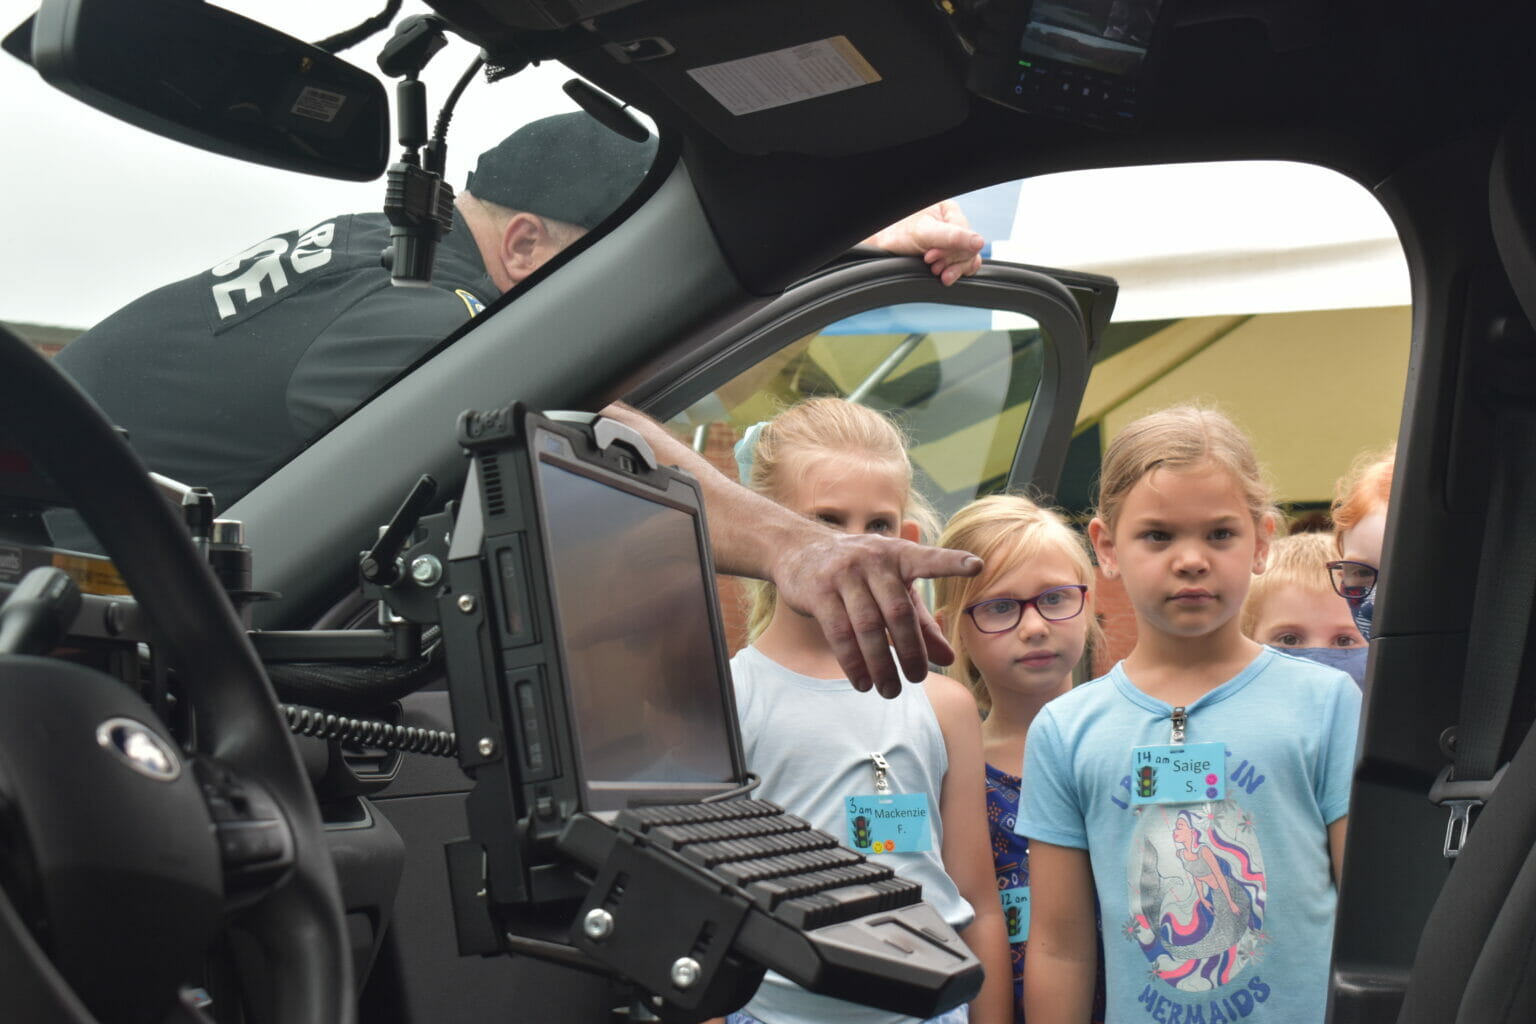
[568, 167]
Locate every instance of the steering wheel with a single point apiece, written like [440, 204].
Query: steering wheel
[123, 855]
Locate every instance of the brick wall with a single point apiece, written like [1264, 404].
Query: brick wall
[1118, 620]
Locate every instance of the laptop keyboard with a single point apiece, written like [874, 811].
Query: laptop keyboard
[799, 874]
[741, 883]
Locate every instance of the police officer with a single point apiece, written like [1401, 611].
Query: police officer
[222, 377]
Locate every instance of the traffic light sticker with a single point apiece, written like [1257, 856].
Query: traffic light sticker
[1016, 912]
[889, 823]
[1179, 774]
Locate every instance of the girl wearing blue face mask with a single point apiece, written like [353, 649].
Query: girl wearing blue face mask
[1359, 527]
[1292, 606]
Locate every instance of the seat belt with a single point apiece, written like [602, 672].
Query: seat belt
[1502, 603]
[1501, 617]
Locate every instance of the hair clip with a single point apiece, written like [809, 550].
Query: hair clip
[746, 449]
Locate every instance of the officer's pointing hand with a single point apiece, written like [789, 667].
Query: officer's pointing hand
[859, 589]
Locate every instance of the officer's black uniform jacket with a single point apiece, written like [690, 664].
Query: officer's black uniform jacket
[222, 377]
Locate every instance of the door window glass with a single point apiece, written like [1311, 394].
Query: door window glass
[962, 393]
[960, 382]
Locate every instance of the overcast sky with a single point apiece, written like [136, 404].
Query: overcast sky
[96, 212]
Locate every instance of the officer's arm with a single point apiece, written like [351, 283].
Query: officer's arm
[858, 587]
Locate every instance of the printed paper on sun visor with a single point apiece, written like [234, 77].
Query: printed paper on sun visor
[790, 75]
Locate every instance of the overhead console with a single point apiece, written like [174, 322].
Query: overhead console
[833, 79]
[1078, 60]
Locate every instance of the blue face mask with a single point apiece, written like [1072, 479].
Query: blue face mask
[1346, 659]
[1362, 611]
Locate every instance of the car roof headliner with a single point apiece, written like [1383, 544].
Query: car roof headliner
[1361, 86]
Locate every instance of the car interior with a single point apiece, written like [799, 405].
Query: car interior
[353, 729]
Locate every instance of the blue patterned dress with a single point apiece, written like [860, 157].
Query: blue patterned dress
[1010, 857]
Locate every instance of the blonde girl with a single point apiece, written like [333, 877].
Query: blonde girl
[814, 740]
[1018, 630]
[1199, 742]
[770, 455]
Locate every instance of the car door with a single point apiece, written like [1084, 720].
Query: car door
[986, 376]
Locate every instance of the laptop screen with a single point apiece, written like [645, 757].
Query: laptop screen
[633, 600]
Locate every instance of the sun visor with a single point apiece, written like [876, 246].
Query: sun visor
[802, 76]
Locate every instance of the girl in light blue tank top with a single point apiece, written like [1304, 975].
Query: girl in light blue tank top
[826, 752]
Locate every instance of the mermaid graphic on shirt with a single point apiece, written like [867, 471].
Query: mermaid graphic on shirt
[1197, 893]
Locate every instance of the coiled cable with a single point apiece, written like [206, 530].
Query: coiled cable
[369, 732]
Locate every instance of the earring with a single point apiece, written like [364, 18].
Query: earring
[1109, 573]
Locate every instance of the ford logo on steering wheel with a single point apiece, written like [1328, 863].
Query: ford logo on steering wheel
[140, 747]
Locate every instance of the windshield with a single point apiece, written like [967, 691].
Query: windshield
[195, 268]
[248, 313]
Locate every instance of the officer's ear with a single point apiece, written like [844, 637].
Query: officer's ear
[524, 246]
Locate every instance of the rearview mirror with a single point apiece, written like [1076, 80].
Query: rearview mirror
[205, 76]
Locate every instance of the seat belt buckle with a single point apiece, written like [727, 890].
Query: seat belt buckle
[1461, 798]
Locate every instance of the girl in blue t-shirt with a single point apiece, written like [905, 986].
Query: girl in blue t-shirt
[1200, 788]
[1018, 630]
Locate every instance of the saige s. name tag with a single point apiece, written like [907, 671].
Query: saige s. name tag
[1179, 774]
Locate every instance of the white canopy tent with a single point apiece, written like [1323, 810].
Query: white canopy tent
[1285, 285]
[1202, 239]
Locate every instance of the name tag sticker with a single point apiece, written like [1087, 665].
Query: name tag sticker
[889, 823]
[1179, 774]
[1016, 912]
